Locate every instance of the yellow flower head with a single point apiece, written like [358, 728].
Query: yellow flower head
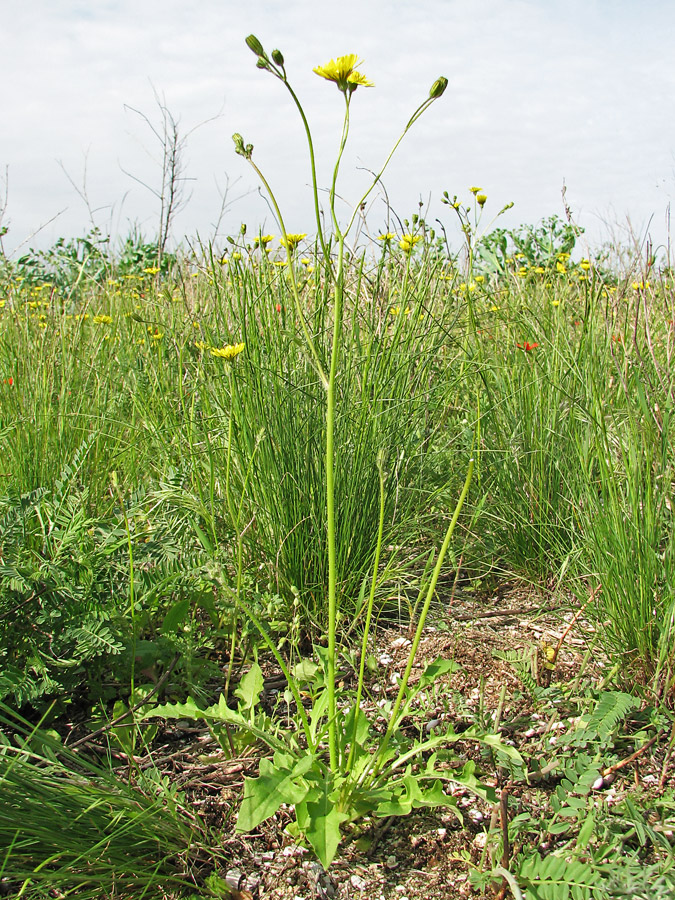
[342, 71]
[228, 352]
[389, 236]
[103, 320]
[291, 240]
[408, 241]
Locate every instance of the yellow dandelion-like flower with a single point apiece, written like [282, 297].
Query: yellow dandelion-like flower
[263, 239]
[151, 270]
[292, 240]
[342, 72]
[585, 265]
[103, 320]
[480, 279]
[560, 267]
[481, 199]
[227, 352]
[408, 241]
[475, 190]
[157, 336]
[540, 270]
[389, 236]
[555, 302]
[201, 345]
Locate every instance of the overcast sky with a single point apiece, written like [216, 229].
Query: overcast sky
[540, 93]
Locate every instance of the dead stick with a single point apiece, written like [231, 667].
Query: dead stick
[594, 593]
[629, 759]
[160, 684]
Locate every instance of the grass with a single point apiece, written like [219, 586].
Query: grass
[146, 484]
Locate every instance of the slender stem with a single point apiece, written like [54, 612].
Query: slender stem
[369, 613]
[294, 285]
[315, 190]
[415, 116]
[330, 504]
[379, 760]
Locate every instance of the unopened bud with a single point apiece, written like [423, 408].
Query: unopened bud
[278, 57]
[254, 44]
[245, 151]
[438, 88]
[262, 63]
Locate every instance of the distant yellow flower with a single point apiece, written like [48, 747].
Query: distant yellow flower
[151, 270]
[585, 265]
[103, 320]
[408, 241]
[342, 71]
[560, 267]
[228, 352]
[480, 279]
[540, 270]
[291, 240]
[475, 190]
[389, 236]
[201, 345]
[263, 239]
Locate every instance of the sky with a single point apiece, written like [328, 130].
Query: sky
[541, 95]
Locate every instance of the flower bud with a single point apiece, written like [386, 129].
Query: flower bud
[480, 199]
[245, 151]
[254, 44]
[438, 88]
[278, 57]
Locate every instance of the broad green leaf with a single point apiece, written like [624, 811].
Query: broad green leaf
[250, 687]
[437, 669]
[320, 820]
[264, 795]
[176, 616]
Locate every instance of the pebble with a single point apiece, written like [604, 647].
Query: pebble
[358, 883]
[399, 642]
[391, 862]
[480, 840]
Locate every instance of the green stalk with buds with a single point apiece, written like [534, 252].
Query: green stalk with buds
[344, 769]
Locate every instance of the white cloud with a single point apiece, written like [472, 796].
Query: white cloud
[538, 93]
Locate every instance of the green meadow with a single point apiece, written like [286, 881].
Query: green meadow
[226, 466]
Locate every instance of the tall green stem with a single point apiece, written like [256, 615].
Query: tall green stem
[330, 458]
[393, 718]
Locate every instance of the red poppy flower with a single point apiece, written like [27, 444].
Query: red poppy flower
[9, 381]
[527, 346]
[278, 307]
